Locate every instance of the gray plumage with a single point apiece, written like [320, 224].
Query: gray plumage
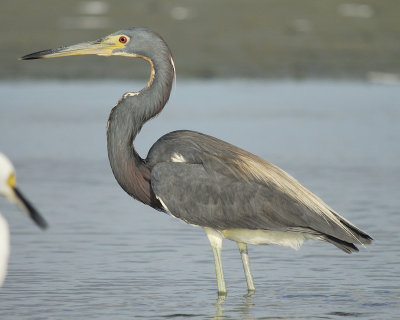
[200, 179]
[226, 197]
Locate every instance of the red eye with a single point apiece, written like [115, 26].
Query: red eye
[123, 39]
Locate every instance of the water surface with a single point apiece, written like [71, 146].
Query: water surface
[107, 256]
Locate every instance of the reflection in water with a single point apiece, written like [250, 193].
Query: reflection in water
[246, 306]
[243, 308]
[219, 307]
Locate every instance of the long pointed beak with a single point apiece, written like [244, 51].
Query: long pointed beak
[24, 204]
[98, 47]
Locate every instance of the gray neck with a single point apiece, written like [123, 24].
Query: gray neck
[124, 123]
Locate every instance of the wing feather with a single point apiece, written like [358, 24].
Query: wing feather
[223, 186]
[190, 193]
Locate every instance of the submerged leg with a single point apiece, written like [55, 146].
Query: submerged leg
[215, 239]
[246, 266]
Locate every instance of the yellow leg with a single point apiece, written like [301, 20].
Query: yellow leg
[246, 266]
[215, 239]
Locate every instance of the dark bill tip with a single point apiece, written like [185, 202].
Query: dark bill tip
[38, 55]
[35, 216]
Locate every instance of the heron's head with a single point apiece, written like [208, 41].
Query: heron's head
[8, 189]
[133, 42]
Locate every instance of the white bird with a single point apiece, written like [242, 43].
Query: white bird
[8, 189]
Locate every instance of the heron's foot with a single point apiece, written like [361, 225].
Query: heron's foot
[250, 293]
[222, 294]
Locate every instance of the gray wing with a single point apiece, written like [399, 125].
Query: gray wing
[222, 186]
[192, 194]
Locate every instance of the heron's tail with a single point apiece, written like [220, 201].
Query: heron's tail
[347, 247]
[360, 237]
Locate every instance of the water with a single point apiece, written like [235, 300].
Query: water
[107, 256]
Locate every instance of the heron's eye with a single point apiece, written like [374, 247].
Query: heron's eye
[123, 39]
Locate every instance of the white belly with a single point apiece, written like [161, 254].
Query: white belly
[282, 238]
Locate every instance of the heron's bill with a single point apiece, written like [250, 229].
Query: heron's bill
[102, 47]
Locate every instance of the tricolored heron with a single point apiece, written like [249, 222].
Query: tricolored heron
[200, 179]
[8, 189]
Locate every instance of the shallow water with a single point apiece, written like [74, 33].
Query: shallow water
[107, 256]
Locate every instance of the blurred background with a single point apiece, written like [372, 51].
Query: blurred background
[310, 85]
[209, 39]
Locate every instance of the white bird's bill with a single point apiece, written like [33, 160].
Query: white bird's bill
[8, 189]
